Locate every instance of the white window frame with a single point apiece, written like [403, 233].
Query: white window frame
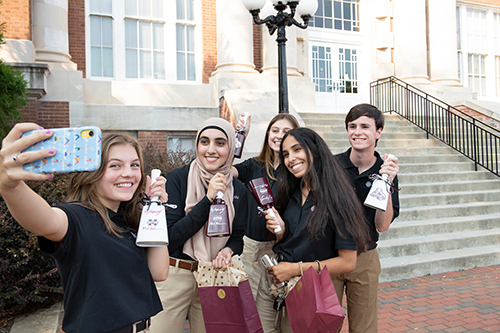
[477, 73]
[182, 137]
[170, 62]
[480, 40]
[353, 4]
[100, 14]
[335, 73]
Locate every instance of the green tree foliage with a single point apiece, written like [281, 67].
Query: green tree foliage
[13, 88]
[27, 277]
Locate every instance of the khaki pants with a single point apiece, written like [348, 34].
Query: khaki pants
[361, 288]
[179, 296]
[252, 253]
[265, 302]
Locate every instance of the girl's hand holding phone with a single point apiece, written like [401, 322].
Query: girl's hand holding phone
[12, 160]
[77, 149]
[273, 223]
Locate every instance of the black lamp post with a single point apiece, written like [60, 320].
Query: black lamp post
[282, 19]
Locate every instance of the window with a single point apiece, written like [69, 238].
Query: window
[496, 32]
[348, 71]
[497, 75]
[459, 47]
[326, 78]
[337, 14]
[185, 40]
[477, 49]
[496, 36]
[477, 73]
[322, 68]
[143, 39]
[183, 142]
[101, 38]
[144, 46]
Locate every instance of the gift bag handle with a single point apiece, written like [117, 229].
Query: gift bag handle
[219, 272]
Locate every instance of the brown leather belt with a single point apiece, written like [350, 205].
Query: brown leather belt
[182, 264]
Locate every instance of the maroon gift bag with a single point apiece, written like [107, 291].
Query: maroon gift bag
[230, 309]
[312, 305]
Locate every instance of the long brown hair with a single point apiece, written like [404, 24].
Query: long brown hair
[333, 195]
[267, 154]
[82, 186]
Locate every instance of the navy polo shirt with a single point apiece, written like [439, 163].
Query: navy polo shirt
[362, 185]
[106, 280]
[297, 245]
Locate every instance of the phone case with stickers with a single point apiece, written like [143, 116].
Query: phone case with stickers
[78, 149]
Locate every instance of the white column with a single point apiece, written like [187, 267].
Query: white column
[442, 38]
[270, 51]
[410, 45]
[234, 37]
[50, 30]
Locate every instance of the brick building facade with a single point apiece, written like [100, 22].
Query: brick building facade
[77, 58]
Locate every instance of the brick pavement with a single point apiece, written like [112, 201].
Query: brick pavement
[463, 301]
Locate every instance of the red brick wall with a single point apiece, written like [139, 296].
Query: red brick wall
[159, 137]
[48, 114]
[478, 115]
[17, 18]
[52, 114]
[76, 32]
[209, 37]
[30, 111]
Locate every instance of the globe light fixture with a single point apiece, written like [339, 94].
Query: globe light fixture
[283, 15]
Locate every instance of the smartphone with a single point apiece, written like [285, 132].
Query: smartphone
[78, 149]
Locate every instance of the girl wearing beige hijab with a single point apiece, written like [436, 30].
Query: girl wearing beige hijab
[191, 190]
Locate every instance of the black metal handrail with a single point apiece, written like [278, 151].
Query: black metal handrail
[473, 138]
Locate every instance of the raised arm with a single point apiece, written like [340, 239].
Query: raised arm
[30, 210]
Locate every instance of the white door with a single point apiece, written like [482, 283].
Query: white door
[334, 69]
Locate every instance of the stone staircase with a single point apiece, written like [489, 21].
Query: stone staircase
[450, 214]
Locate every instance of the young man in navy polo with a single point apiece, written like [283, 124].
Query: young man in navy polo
[364, 125]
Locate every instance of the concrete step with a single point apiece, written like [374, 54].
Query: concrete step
[434, 167]
[449, 158]
[406, 229]
[427, 177]
[450, 213]
[397, 143]
[407, 267]
[389, 123]
[398, 151]
[325, 126]
[448, 198]
[430, 211]
[459, 185]
[414, 245]
[342, 135]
